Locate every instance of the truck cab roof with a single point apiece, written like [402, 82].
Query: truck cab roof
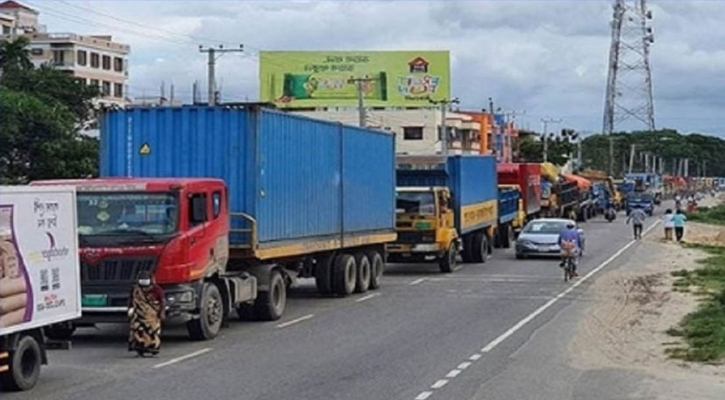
[129, 184]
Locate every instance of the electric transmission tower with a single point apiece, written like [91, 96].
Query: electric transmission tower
[629, 85]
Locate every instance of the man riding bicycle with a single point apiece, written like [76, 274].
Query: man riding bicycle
[570, 243]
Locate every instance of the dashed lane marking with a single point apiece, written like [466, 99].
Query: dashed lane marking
[296, 320]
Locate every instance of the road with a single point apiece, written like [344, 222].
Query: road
[488, 331]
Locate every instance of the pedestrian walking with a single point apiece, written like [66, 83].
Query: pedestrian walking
[668, 224]
[637, 216]
[146, 311]
[678, 221]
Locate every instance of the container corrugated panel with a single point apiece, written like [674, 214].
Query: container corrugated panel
[508, 204]
[474, 179]
[284, 170]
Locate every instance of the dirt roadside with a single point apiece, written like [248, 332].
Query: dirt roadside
[632, 307]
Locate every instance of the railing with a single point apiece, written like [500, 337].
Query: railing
[248, 232]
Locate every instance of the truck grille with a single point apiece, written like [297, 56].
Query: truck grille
[416, 237]
[115, 271]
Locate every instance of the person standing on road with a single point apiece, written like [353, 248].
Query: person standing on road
[146, 311]
[678, 221]
[637, 216]
[668, 224]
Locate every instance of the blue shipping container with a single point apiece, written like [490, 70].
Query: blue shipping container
[508, 204]
[300, 178]
[471, 179]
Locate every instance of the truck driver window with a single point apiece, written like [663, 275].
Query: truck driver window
[197, 209]
[216, 203]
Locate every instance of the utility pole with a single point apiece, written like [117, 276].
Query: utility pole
[360, 100]
[444, 129]
[546, 122]
[211, 68]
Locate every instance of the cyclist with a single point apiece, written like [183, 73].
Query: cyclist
[570, 243]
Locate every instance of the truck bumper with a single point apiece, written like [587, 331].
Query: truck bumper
[413, 252]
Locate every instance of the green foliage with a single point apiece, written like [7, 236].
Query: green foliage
[710, 215]
[668, 144]
[704, 329]
[42, 111]
[560, 148]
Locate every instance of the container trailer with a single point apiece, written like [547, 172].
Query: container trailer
[526, 177]
[228, 206]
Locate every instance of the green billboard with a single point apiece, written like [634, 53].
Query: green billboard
[309, 79]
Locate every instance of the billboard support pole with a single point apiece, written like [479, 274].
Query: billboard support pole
[360, 100]
[444, 128]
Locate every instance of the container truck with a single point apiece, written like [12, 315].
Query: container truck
[228, 206]
[446, 205]
[39, 276]
[526, 177]
[559, 197]
[584, 208]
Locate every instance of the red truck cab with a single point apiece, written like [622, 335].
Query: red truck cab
[177, 229]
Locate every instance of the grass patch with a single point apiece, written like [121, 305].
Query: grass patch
[703, 330]
[709, 215]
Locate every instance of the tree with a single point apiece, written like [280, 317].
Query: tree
[14, 55]
[42, 111]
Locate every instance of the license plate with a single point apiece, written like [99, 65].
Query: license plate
[94, 300]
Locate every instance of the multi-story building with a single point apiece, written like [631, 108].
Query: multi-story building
[417, 131]
[94, 60]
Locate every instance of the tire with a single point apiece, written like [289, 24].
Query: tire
[211, 314]
[480, 249]
[24, 365]
[270, 304]
[377, 268]
[323, 274]
[447, 262]
[467, 253]
[61, 331]
[364, 273]
[344, 274]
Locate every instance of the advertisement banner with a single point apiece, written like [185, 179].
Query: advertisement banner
[307, 79]
[39, 269]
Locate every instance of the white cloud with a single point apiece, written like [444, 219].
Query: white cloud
[548, 58]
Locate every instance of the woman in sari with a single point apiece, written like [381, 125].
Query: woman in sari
[146, 311]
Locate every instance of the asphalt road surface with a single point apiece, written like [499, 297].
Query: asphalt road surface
[487, 331]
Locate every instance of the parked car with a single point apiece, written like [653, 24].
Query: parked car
[540, 237]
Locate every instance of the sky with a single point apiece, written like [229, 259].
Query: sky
[537, 59]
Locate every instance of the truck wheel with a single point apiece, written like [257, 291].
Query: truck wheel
[447, 262]
[323, 274]
[377, 268]
[362, 283]
[270, 305]
[344, 274]
[24, 365]
[211, 314]
[508, 237]
[480, 248]
[61, 331]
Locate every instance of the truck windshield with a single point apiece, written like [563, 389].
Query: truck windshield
[127, 214]
[422, 203]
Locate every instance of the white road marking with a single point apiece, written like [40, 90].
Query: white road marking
[464, 365]
[439, 384]
[182, 358]
[296, 320]
[492, 345]
[423, 395]
[368, 297]
[454, 373]
[417, 281]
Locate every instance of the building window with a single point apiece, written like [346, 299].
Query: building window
[117, 90]
[82, 57]
[6, 30]
[413, 132]
[36, 52]
[107, 62]
[118, 64]
[95, 83]
[106, 89]
[95, 63]
[58, 57]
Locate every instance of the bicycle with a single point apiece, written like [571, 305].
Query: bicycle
[569, 267]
